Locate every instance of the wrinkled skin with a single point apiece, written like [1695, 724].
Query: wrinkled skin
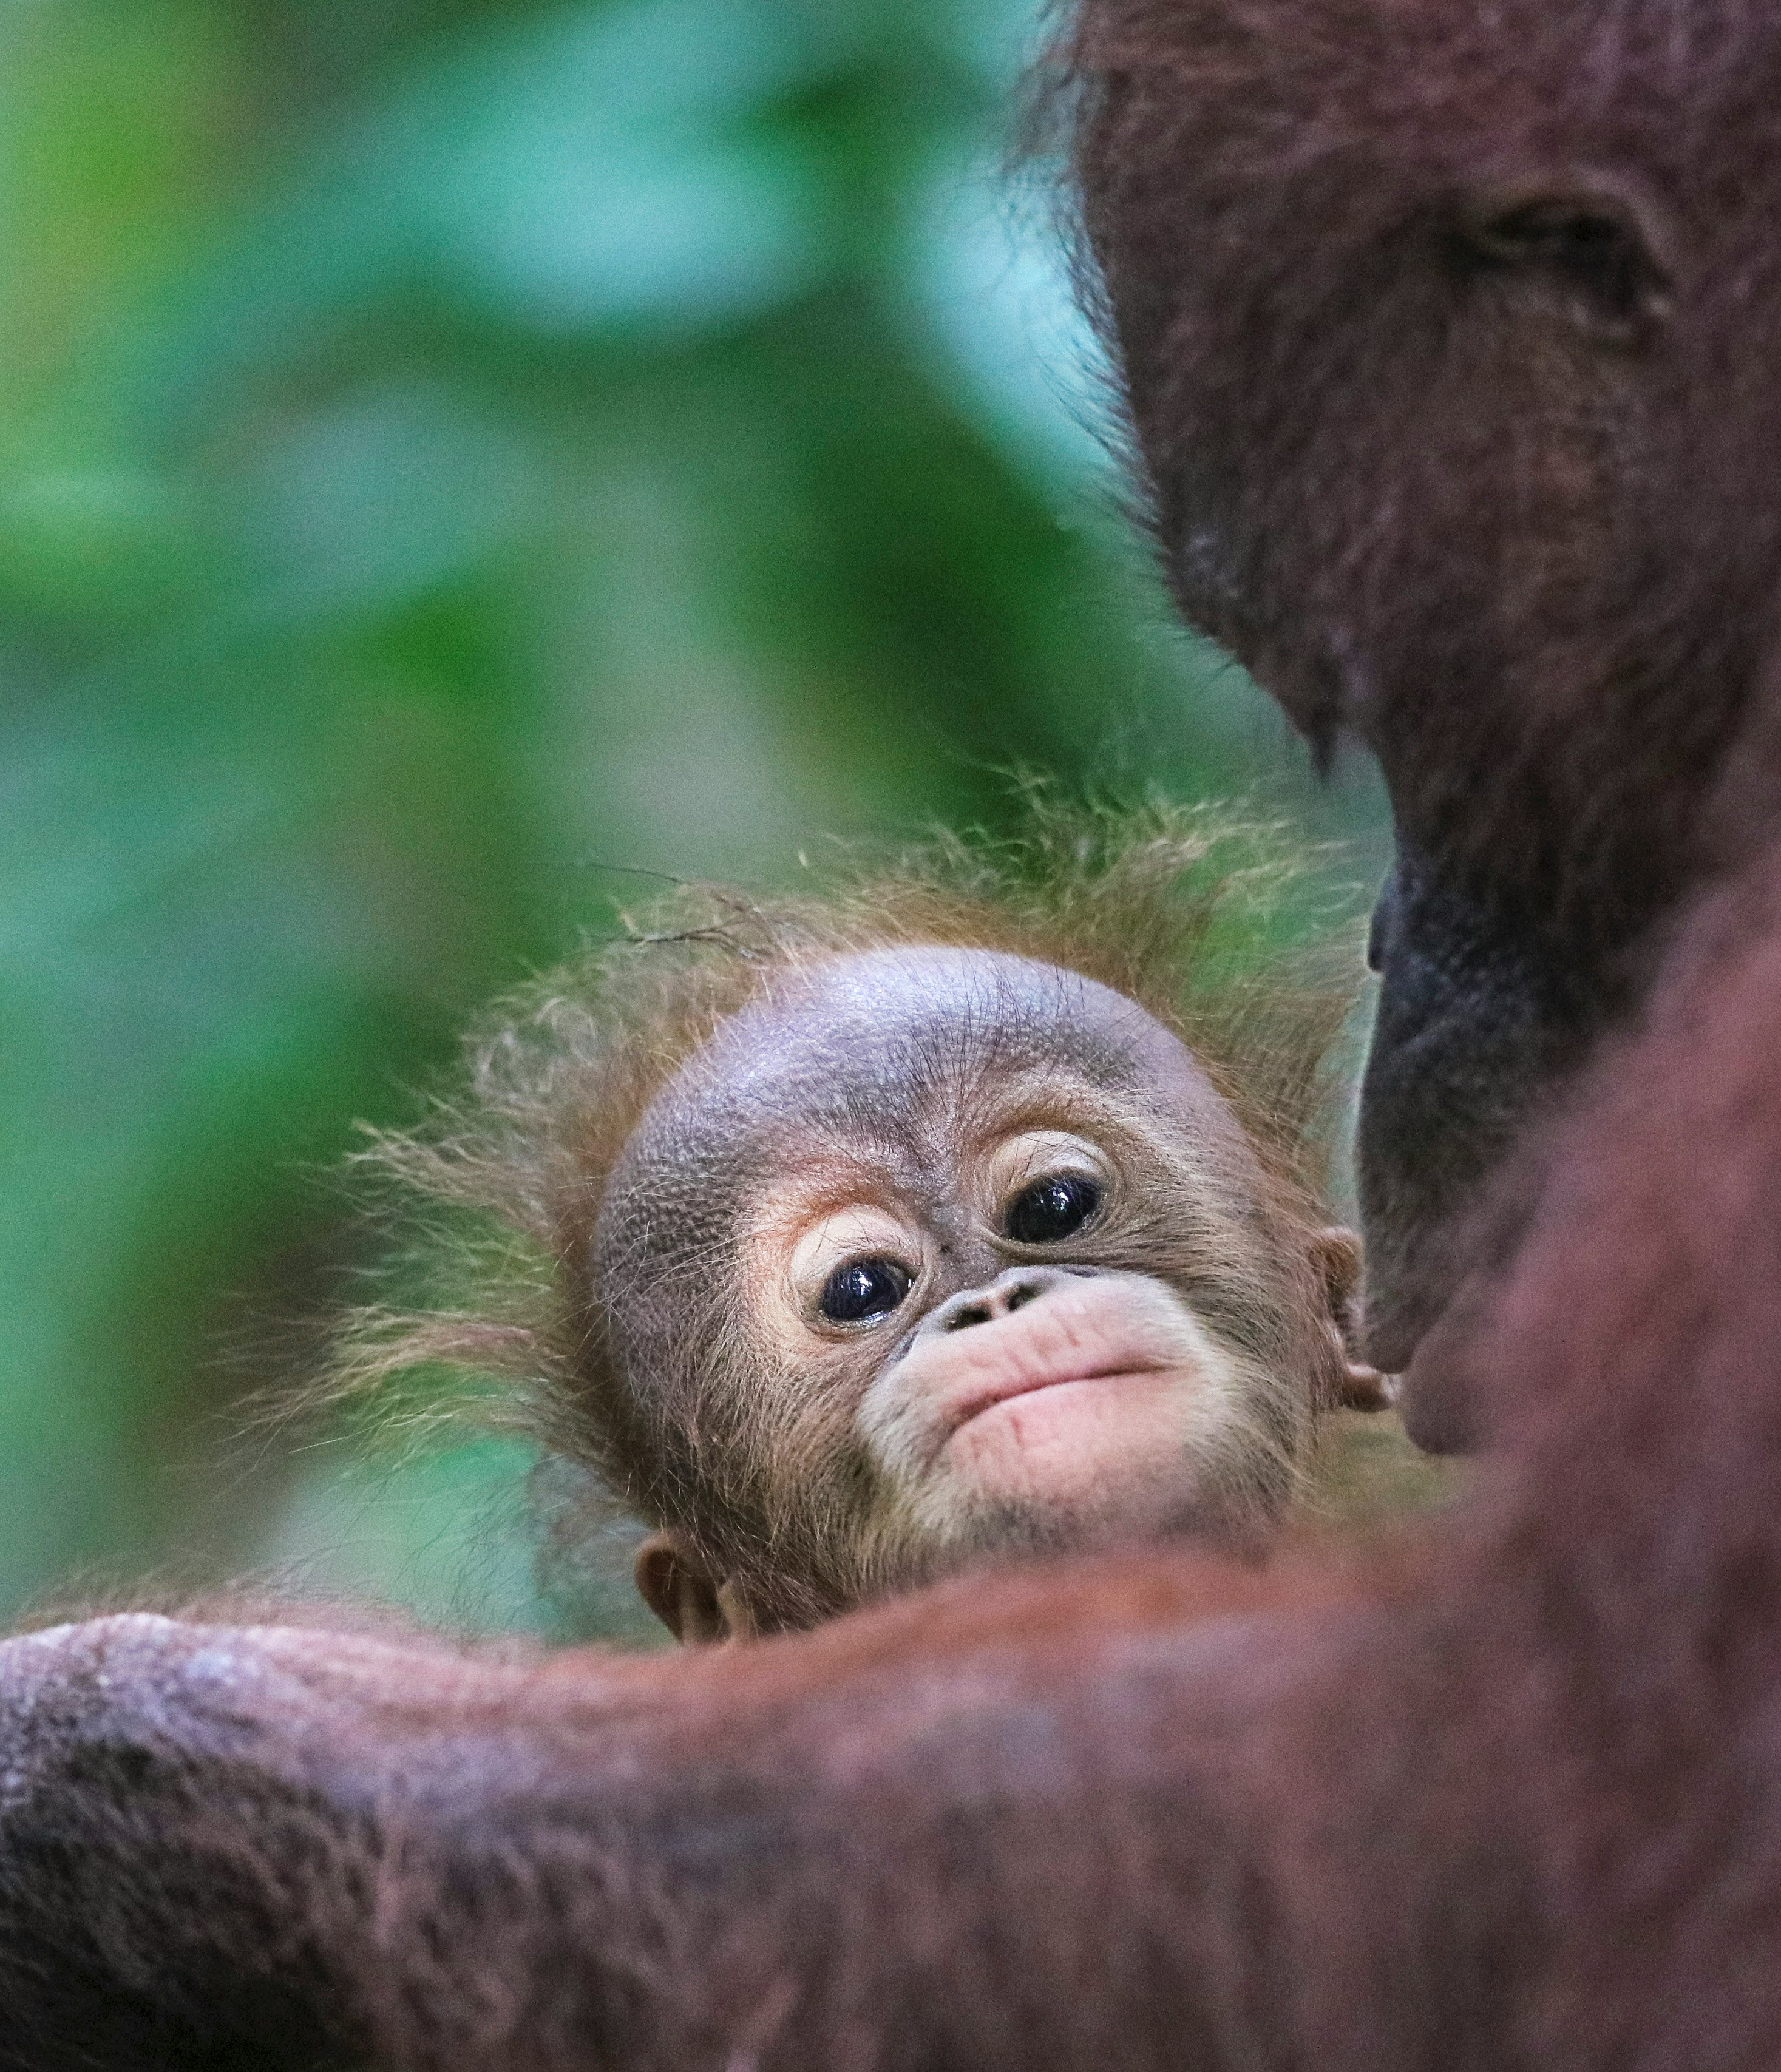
[1461, 433]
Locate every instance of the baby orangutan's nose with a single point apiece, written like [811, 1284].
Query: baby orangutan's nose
[1007, 1293]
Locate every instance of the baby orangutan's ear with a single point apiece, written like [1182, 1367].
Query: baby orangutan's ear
[681, 1588]
[1336, 1255]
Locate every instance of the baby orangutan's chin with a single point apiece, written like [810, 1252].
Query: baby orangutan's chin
[1102, 1411]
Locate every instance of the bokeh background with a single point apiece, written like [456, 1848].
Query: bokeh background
[452, 454]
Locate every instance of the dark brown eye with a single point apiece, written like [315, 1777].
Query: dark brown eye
[1052, 1208]
[863, 1290]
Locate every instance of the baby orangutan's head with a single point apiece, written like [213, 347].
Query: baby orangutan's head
[902, 1253]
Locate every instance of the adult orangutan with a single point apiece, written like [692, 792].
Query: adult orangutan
[1446, 332]
[1451, 333]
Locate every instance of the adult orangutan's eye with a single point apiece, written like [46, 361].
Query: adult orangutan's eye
[1052, 1208]
[863, 1290]
[1594, 246]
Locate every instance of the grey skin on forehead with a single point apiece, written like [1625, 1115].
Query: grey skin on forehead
[886, 1047]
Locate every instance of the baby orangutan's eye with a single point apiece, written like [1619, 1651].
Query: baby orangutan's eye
[1052, 1208]
[863, 1290]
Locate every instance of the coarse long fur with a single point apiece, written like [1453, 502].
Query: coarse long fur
[1176, 909]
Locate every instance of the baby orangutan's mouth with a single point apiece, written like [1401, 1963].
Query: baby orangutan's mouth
[1030, 1383]
[1094, 1373]
[1101, 1330]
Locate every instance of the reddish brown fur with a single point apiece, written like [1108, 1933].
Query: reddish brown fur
[1422, 502]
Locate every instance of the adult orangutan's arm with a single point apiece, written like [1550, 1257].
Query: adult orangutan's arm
[913, 1838]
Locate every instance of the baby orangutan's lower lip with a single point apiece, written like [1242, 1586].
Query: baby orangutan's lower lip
[977, 1406]
[1125, 1366]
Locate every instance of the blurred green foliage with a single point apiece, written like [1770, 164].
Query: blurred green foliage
[447, 452]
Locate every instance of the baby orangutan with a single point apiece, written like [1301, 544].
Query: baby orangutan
[936, 1220]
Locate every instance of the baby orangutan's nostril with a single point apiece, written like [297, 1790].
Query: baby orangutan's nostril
[1010, 1291]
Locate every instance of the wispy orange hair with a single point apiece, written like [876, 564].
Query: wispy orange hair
[1180, 909]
